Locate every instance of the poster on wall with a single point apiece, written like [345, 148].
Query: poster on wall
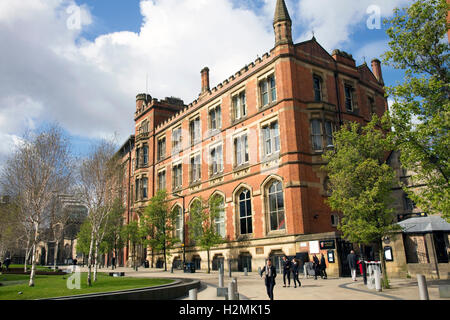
[314, 247]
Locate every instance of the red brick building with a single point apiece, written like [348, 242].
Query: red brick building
[256, 140]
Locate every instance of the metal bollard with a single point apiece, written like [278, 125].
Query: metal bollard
[245, 272]
[231, 292]
[234, 281]
[193, 294]
[377, 279]
[221, 280]
[423, 288]
[229, 271]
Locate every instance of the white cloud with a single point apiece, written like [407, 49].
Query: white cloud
[334, 21]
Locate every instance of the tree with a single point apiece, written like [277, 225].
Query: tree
[99, 183]
[202, 227]
[420, 112]
[132, 234]
[114, 237]
[157, 220]
[361, 183]
[38, 170]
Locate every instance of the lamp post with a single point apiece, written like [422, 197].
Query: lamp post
[179, 196]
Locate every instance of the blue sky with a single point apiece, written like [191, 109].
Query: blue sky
[86, 78]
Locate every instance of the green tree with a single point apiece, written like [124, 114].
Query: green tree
[420, 113]
[131, 233]
[202, 227]
[361, 183]
[158, 221]
[114, 230]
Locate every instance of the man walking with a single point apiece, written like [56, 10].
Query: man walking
[271, 274]
[353, 263]
[286, 271]
[323, 267]
[316, 266]
[7, 262]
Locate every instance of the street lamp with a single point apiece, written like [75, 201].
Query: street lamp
[184, 235]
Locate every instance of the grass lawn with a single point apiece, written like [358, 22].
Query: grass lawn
[20, 266]
[56, 286]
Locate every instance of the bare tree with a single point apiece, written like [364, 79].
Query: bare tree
[38, 169]
[99, 184]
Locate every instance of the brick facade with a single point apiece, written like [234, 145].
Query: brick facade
[294, 96]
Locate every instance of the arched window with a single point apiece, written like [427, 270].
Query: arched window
[245, 212]
[276, 206]
[217, 205]
[195, 213]
[178, 223]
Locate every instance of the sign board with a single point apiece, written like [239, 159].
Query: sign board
[388, 254]
[303, 244]
[327, 244]
[331, 256]
[314, 247]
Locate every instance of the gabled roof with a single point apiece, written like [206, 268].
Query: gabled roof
[365, 70]
[314, 47]
[281, 12]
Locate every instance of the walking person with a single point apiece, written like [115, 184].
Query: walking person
[323, 267]
[316, 266]
[271, 274]
[295, 269]
[113, 263]
[7, 262]
[286, 271]
[353, 263]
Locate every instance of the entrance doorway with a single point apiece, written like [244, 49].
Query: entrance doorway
[217, 261]
[245, 261]
[344, 248]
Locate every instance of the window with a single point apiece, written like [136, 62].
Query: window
[143, 128]
[372, 107]
[268, 91]
[271, 137]
[145, 155]
[241, 150]
[194, 131]
[218, 204]
[138, 156]
[317, 88]
[162, 180]
[161, 149]
[409, 205]
[334, 220]
[216, 160]
[276, 206]
[196, 169]
[144, 188]
[176, 140]
[349, 100]
[177, 177]
[316, 126]
[215, 118]
[245, 212]
[329, 133]
[178, 213]
[239, 106]
[137, 190]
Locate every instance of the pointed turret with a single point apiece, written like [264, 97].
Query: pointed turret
[282, 24]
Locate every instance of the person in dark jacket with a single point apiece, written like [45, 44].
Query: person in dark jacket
[295, 269]
[7, 262]
[316, 266]
[271, 274]
[323, 267]
[286, 271]
[352, 263]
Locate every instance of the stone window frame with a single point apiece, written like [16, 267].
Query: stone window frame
[335, 219]
[322, 119]
[159, 155]
[262, 148]
[236, 199]
[219, 125]
[246, 154]
[191, 168]
[193, 139]
[158, 182]
[323, 85]
[354, 96]
[266, 204]
[236, 94]
[176, 187]
[265, 78]
[222, 195]
[177, 219]
[210, 148]
[179, 145]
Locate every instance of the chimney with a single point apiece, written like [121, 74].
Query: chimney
[376, 69]
[205, 80]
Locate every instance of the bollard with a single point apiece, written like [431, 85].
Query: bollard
[193, 294]
[235, 285]
[377, 275]
[229, 266]
[423, 289]
[221, 280]
[245, 272]
[231, 292]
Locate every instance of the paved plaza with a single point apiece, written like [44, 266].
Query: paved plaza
[252, 287]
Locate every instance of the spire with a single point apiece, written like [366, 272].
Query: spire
[281, 12]
[282, 24]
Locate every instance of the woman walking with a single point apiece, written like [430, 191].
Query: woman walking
[323, 267]
[295, 270]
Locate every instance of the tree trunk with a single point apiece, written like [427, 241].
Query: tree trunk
[96, 260]
[209, 268]
[91, 249]
[383, 266]
[33, 265]
[27, 256]
[165, 258]
[55, 259]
